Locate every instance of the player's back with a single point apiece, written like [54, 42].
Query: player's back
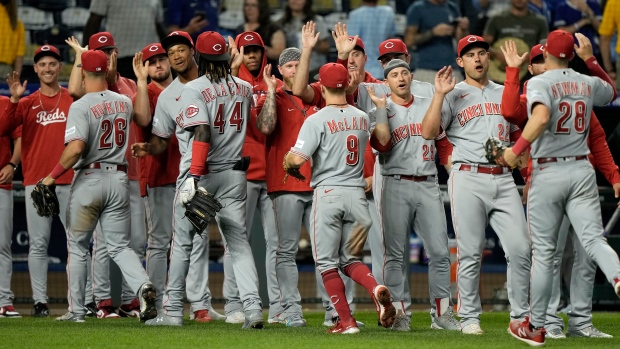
[342, 134]
[101, 120]
[225, 107]
[570, 97]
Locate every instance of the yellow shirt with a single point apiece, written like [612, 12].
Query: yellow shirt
[611, 20]
[12, 42]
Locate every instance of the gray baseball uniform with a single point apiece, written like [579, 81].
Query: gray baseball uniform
[563, 180]
[225, 107]
[100, 189]
[189, 268]
[482, 194]
[411, 193]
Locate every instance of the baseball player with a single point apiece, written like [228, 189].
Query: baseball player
[249, 67]
[180, 49]
[584, 268]
[104, 42]
[410, 195]
[280, 119]
[43, 115]
[165, 158]
[561, 182]
[214, 101]
[96, 142]
[470, 115]
[8, 165]
[335, 140]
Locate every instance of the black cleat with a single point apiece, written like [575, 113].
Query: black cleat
[146, 294]
[40, 310]
[91, 309]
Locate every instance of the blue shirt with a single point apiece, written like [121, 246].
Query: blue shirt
[438, 52]
[180, 12]
[544, 11]
[373, 24]
[566, 14]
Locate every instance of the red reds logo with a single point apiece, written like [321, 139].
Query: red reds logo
[191, 111]
[45, 48]
[102, 39]
[153, 48]
[217, 47]
[248, 37]
[472, 38]
[388, 45]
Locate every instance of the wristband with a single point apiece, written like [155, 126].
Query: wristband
[200, 151]
[14, 166]
[520, 146]
[58, 171]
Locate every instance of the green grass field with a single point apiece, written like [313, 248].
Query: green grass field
[129, 333]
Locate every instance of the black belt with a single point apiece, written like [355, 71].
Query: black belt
[98, 165]
[567, 158]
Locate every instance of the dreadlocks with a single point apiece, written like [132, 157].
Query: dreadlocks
[216, 71]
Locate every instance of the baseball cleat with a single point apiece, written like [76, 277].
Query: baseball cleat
[130, 310]
[202, 316]
[555, 333]
[9, 312]
[147, 294]
[105, 310]
[445, 322]
[71, 317]
[41, 310]
[278, 319]
[236, 318]
[341, 327]
[401, 322]
[590, 332]
[215, 315]
[523, 331]
[91, 309]
[472, 329]
[165, 320]
[383, 301]
[295, 321]
[254, 320]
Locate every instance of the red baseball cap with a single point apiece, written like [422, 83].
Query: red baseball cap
[392, 46]
[212, 46]
[152, 50]
[46, 50]
[100, 41]
[471, 41]
[359, 44]
[175, 38]
[560, 44]
[94, 61]
[250, 39]
[536, 52]
[334, 75]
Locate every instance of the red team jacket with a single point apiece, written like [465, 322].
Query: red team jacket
[5, 143]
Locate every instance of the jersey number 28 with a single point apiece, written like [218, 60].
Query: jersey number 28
[567, 109]
[115, 130]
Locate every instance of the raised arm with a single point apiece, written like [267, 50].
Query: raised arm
[444, 83]
[141, 105]
[382, 128]
[514, 109]
[309, 39]
[266, 121]
[75, 88]
[585, 52]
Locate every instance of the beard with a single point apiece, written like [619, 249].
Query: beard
[161, 77]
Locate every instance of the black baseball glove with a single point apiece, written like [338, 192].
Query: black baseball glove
[292, 171]
[495, 151]
[44, 199]
[201, 209]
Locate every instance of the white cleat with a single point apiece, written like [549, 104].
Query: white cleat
[472, 329]
[236, 318]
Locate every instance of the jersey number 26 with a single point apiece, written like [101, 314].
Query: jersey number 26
[112, 132]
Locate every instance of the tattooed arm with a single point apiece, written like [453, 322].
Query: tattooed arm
[266, 121]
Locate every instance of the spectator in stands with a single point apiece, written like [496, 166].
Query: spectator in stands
[374, 24]
[518, 23]
[257, 19]
[609, 25]
[542, 8]
[580, 16]
[12, 39]
[193, 16]
[133, 24]
[431, 27]
[296, 14]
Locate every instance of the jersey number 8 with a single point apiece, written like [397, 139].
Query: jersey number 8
[107, 129]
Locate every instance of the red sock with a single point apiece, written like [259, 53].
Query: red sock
[335, 289]
[360, 273]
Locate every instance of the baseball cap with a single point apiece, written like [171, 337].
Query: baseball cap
[175, 38]
[359, 44]
[46, 50]
[392, 46]
[212, 46]
[334, 75]
[94, 61]
[393, 64]
[152, 50]
[250, 39]
[288, 55]
[560, 44]
[471, 41]
[100, 41]
[536, 52]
